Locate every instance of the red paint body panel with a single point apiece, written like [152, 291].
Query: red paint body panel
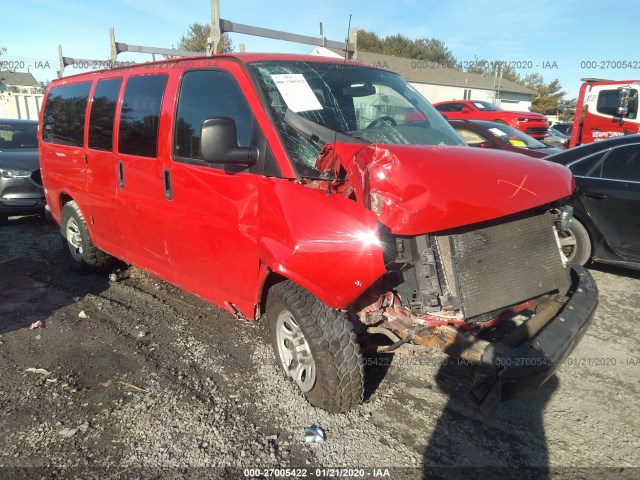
[533, 124]
[326, 243]
[428, 189]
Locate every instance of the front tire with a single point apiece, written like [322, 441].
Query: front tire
[576, 244]
[316, 347]
[82, 254]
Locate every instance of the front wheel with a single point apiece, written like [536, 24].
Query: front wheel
[78, 247]
[316, 347]
[576, 244]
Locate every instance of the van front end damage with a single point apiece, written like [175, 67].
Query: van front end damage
[495, 291]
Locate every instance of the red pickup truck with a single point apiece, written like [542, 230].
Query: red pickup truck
[532, 124]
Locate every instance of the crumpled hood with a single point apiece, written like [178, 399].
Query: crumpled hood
[423, 189]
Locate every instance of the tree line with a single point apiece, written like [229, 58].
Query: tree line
[549, 101]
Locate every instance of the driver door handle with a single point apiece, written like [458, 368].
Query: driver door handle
[596, 196]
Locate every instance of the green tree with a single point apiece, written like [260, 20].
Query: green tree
[196, 39]
[429, 49]
[567, 109]
[369, 42]
[550, 95]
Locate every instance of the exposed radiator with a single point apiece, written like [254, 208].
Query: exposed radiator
[494, 267]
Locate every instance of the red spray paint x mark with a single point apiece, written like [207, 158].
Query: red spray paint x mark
[519, 187]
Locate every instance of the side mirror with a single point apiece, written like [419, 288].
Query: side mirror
[465, 110]
[219, 143]
[623, 101]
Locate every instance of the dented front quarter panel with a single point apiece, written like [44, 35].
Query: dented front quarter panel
[424, 189]
[326, 243]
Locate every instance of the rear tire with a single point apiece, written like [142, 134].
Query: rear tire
[576, 244]
[83, 255]
[316, 347]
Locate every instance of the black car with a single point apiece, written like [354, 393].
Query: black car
[606, 225]
[21, 190]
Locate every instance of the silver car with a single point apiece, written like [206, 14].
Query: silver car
[21, 190]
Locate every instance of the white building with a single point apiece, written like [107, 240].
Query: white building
[438, 83]
[20, 96]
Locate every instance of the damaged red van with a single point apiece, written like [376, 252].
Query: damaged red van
[331, 197]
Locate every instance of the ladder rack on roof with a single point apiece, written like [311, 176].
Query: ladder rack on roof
[223, 26]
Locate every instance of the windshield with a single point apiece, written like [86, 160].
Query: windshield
[511, 136]
[357, 104]
[486, 106]
[16, 135]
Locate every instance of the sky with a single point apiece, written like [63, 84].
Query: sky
[567, 40]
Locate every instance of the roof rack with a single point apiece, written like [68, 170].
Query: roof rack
[219, 26]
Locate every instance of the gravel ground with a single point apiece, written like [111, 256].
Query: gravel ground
[138, 379]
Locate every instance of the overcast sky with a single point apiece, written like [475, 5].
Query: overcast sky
[566, 36]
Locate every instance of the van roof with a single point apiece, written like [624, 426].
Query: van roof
[242, 57]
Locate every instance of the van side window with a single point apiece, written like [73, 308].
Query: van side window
[208, 93]
[140, 115]
[64, 114]
[103, 111]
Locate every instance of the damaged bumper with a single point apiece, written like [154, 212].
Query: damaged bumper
[508, 372]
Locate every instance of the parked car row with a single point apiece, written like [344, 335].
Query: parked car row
[531, 123]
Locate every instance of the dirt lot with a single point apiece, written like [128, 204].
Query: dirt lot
[136, 378]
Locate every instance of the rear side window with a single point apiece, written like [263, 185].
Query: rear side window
[103, 110]
[209, 93]
[586, 167]
[623, 164]
[64, 114]
[140, 115]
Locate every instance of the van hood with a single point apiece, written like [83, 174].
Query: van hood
[424, 189]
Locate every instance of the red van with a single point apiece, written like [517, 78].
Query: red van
[331, 196]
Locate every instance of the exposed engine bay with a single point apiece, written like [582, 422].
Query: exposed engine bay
[450, 292]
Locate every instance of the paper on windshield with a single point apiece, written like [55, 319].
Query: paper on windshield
[497, 132]
[296, 92]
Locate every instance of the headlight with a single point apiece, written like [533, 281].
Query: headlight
[14, 173]
[566, 217]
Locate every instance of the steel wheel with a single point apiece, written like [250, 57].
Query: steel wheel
[74, 239]
[294, 351]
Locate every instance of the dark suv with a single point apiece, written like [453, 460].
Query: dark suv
[20, 183]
